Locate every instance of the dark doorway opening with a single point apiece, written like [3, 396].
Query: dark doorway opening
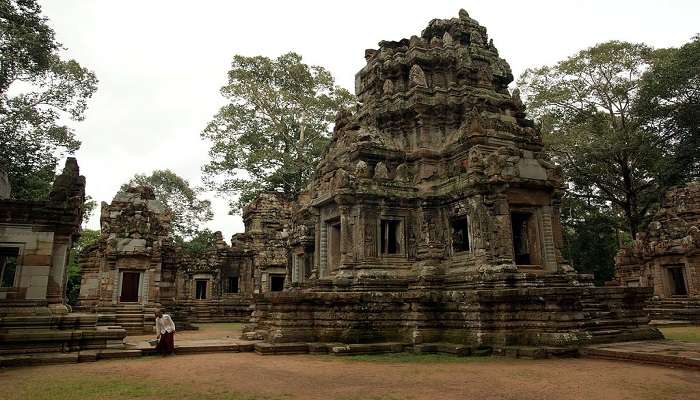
[460, 235]
[525, 239]
[130, 287]
[390, 236]
[276, 283]
[232, 284]
[201, 289]
[677, 276]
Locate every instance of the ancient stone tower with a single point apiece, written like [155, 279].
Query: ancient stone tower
[435, 214]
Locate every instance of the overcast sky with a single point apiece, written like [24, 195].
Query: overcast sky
[161, 63]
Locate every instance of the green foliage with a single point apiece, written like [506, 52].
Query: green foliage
[274, 128]
[45, 91]
[669, 103]
[176, 194]
[198, 243]
[591, 239]
[88, 237]
[588, 108]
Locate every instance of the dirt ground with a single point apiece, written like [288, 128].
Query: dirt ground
[237, 376]
[206, 331]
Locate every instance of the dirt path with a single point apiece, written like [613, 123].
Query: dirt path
[250, 376]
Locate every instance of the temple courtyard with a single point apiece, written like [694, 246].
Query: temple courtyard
[246, 375]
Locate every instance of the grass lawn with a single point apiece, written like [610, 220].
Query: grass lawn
[682, 333]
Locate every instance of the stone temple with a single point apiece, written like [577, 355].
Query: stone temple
[434, 216]
[667, 257]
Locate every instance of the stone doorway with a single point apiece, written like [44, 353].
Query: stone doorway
[526, 244]
[130, 287]
[676, 277]
[201, 289]
[276, 283]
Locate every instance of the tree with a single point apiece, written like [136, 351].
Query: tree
[176, 194]
[587, 107]
[38, 91]
[88, 237]
[669, 103]
[591, 239]
[274, 128]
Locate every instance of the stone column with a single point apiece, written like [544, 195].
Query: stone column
[345, 235]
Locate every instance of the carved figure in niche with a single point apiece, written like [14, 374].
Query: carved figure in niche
[388, 88]
[476, 38]
[361, 169]
[417, 77]
[342, 179]
[447, 39]
[517, 101]
[381, 171]
[402, 173]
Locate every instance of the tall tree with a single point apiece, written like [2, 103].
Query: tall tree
[587, 105]
[274, 128]
[176, 194]
[88, 237]
[669, 103]
[38, 91]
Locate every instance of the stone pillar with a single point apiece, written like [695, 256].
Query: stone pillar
[548, 245]
[345, 235]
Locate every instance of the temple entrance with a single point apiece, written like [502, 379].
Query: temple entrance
[389, 239]
[333, 245]
[130, 287]
[201, 289]
[276, 283]
[526, 245]
[677, 280]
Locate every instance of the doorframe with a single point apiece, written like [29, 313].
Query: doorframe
[140, 286]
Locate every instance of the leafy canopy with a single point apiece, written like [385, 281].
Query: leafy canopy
[38, 91]
[182, 200]
[587, 105]
[274, 128]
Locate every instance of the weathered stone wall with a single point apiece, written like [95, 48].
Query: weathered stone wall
[267, 222]
[435, 215]
[124, 272]
[37, 235]
[671, 241]
[666, 257]
[35, 238]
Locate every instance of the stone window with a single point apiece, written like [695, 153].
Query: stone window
[526, 244]
[676, 277]
[200, 289]
[460, 235]
[390, 236]
[8, 266]
[232, 284]
[276, 283]
[333, 245]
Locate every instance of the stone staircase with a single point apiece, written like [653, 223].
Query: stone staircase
[135, 318]
[606, 324]
[674, 309]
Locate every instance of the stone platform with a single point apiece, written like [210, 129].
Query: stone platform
[662, 352]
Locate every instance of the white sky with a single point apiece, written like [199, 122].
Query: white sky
[161, 63]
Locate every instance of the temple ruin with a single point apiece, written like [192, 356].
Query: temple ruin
[434, 216]
[135, 268]
[35, 238]
[666, 257]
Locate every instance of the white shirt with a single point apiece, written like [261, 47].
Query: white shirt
[165, 324]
